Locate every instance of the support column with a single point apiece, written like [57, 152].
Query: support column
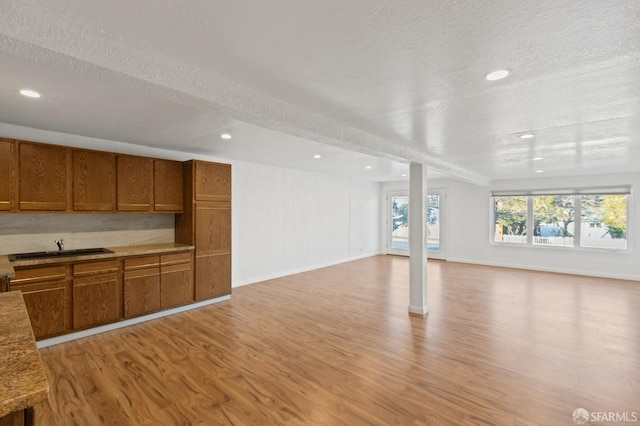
[417, 239]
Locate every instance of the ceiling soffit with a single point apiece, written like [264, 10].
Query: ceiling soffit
[53, 39]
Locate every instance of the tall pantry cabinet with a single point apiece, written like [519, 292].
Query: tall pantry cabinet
[206, 224]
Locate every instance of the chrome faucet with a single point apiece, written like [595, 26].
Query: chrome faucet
[60, 244]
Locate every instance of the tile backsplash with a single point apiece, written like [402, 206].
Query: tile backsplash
[21, 233]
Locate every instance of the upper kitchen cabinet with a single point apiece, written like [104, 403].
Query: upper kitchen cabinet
[6, 173]
[212, 181]
[135, 181]
[43, 177]
[94, 181]
[167, 188]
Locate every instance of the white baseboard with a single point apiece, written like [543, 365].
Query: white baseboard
[116, 325]
[303, 269]
[547, 269]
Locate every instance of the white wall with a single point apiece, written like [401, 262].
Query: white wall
[468, 229]
[287, 221]
[283, 221]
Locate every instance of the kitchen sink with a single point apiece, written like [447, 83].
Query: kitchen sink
[57, 253]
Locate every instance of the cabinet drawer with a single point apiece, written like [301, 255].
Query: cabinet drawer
[170, 259]
[92, 268]
[141, 263]
[140, 273]
[36, 275]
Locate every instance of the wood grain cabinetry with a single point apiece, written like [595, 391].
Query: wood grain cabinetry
[141, 285]
[78, 295]
[94, 181]
[212, 181]
[95, 293]
[206, 224]
[213, 249]
[167, 186]
[213, 276]
[46, 293]
[43, 177]
[176, 279]
[17, 418]
[134, 183]
[6, 173]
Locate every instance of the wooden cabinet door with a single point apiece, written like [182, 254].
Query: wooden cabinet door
[95, 300]
[212, 276]
[6, 173]
[167, 186]
[176, 279]
[94, 181]
[213, 227]
[95, 293]
[43, 174]
[212, 181]
[46, 297]
[17, 418]
[134, 183]
[141, 286]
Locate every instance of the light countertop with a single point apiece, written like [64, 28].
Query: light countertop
[7, 267]
[24, 381]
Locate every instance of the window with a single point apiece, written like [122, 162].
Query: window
[587, 218]
[553, 220]
[510, 219]
[604, 221]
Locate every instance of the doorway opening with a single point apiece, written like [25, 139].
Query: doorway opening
[398, 223]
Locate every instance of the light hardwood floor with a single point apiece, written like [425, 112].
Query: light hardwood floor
[336, 346]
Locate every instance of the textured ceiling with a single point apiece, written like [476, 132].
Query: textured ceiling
[389, 82]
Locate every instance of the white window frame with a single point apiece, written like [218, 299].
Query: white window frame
[577, 193]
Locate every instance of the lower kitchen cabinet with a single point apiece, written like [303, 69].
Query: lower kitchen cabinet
[95, 293]
[176, 279]
[78, 295]
[213, 276]
[46, 293]
[141, 285]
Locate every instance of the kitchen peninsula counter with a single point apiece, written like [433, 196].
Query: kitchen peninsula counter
[22, 375]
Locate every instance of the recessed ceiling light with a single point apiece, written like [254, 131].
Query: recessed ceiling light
[404, 175]
[497, 75]
[225, 136]
[537, 158]
[368, 167]
[30, 93]
[317, 156]
[527, 136]
[539, 171]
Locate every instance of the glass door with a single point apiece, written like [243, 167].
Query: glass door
[398, 235]
[398, 224]
[435, 224]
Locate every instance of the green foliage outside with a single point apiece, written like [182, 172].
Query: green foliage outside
[511, 214]
[608, 210]
[554, 211]
[558, 211]
[401, 212]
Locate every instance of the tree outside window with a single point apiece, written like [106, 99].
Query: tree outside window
[601, 220]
